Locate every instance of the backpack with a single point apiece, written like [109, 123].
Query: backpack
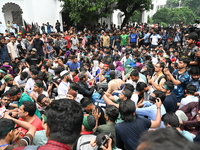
[83, 142]
[163, 76]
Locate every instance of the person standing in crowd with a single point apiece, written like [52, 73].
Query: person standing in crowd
[12, 49]
[57, 26]
[38, 44]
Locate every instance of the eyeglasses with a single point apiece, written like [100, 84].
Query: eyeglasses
[157, 66]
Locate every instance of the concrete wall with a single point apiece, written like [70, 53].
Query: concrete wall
[41, 11]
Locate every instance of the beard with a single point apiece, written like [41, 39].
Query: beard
[9, 85]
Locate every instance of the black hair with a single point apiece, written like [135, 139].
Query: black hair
[4, 69]
[161, 139]
[5, 125]
[64, 119]
[13, 91]
[85, 101]
[129, 86]
[73, 57]
[160, 95]
[140, 86]
[39, 83]
[34, 72]
[112, 112]
[91, 121]
[40, 98]
[126, 109]
[170, 85]
[194, 71]
[191, 89]
[135, 73]
[112, 75]
[74, 86]
[29, 107]
[82, 75]
[171, 119]
[24, 74]
[185, 60]
[45, 67]
[58, 70]
[162, 64]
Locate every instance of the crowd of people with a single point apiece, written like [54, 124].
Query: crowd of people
[100, 88]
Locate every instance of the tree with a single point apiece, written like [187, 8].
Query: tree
[194, 5]
[81, 11]
[128, 7]
[135, 17]
[162, 15]
[176, 15]
[172, 4]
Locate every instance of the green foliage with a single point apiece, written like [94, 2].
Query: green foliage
[172, 3]
[150, 20]
[176, 15]
[135, 17]
[81, 11]
[194, 5]
[128, 7]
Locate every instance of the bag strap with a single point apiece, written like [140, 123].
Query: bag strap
[84, 143]
[31, 147]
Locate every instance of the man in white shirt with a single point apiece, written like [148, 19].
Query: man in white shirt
[22, 79]
[12, 49]
[64, 85]
[31, 81]
[135, 78]
[155, 39]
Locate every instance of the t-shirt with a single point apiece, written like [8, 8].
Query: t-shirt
[133, 38]
[26, 97]
[124, 39]
[170, 103]
[37, 123]
[72, 65]
[106, 40]
[33, 60]
[179, 89]
[128, 133]
[155, 39]
[19, 81]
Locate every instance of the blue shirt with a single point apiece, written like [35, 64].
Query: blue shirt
[72, 65]
[133, 38]
[179, 89]
[195, 83]
[150, 112]
[146, 37]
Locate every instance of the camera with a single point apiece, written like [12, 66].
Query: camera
[105, 139]
[152, 98]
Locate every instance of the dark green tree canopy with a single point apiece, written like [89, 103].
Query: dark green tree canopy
[176, 15]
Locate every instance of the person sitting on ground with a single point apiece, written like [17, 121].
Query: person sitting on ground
[26, 113]
[89, 107]
[171, 120]
[190, 91]
[170, 102]
[87, 135]
[65, 130]
[9, 133]
[111, 115]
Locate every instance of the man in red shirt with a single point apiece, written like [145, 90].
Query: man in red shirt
[64, 121]
[26, 112]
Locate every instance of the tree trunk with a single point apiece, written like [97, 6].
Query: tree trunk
[125, 21]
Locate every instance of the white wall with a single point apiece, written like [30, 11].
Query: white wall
[41, 11]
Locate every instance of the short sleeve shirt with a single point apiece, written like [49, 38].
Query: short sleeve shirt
[184, 79]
